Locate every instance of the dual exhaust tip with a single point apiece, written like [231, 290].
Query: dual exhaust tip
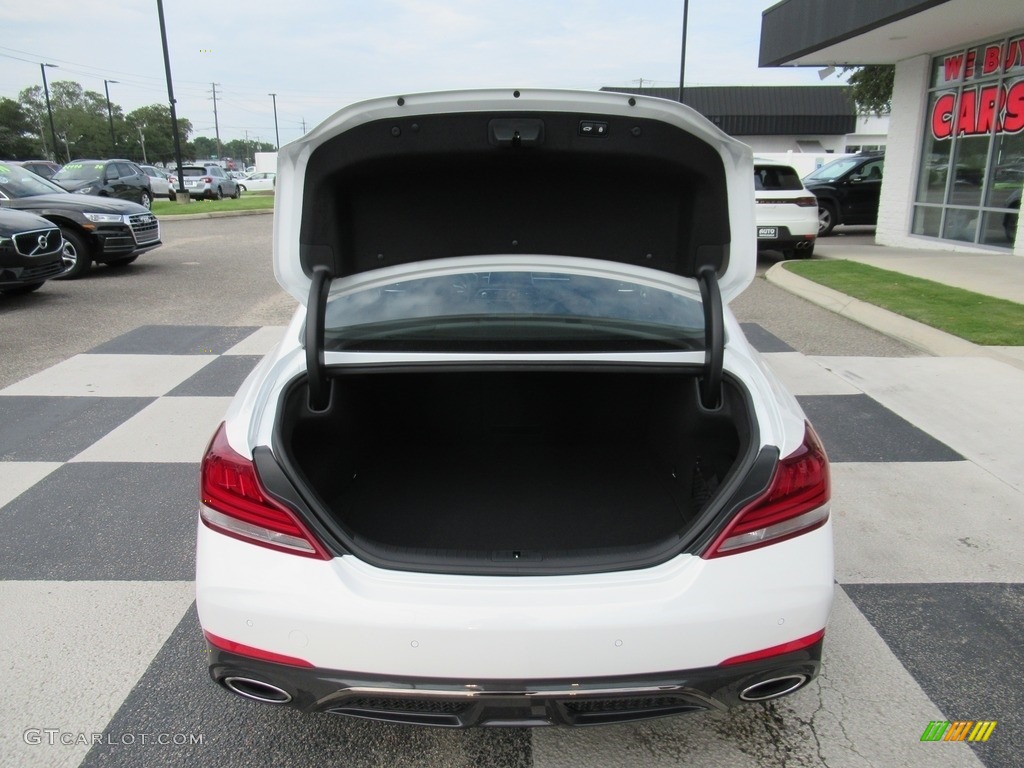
[774, 687]
[763, 690]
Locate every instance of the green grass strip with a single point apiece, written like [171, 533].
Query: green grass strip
[249, 201]
[972, 316]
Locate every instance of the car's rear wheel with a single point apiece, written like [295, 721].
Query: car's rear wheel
[826, 219]
[77, 258]
[219, 194]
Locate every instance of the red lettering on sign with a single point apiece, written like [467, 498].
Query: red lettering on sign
[942, 116]
[965, 115]
[1014, 54]
[993, 56]
[987, 109]
[969, 69]
[1013, 122]
[953, 66]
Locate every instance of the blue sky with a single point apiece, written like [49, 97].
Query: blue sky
[318, 55]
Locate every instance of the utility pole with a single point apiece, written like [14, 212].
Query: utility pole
[682, 56]
[277, 136]
[182, 195]
[216, 125]
[110, 117]
[49, 109]
[142, 140]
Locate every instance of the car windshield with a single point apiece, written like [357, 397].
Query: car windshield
[832, 171]
[79, 172]
[16, 181]
[514, 311]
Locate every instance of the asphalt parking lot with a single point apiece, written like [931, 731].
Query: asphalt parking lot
[110, 387]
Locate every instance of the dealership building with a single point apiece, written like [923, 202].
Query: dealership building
[954, 164]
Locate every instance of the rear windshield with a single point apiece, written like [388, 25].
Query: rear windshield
[776, 177]
[194, 170]
[514, 311]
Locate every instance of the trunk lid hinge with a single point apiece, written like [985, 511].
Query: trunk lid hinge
[316, 313]
[714, 338]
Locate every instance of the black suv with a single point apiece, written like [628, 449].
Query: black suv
[30, 251]
[99, 229]
[847, 190]
[106, 178]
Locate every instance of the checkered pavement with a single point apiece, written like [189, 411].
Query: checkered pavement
[104, 663]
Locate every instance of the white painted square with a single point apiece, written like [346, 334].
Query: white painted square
[803, 375]
[259, 342]
[111, 376]
[16, 477]
[72, 652]
[925, 522]
[974, 405]
[172, 429]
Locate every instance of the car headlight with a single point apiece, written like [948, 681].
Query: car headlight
[105, 218]
[84, 190]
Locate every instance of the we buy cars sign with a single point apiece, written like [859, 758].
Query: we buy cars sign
[975, 110]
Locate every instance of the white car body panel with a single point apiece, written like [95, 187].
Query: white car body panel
[347, 615]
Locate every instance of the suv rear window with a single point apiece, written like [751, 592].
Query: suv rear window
[776, 177]
[193, 170]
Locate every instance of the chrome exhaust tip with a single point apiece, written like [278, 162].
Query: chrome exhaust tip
[773, 687]
[257, 690]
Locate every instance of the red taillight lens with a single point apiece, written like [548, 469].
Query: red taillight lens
[234, 502]
[775, 650]
[807, 202]
[796, 502]
[253, 653]
[207, 179]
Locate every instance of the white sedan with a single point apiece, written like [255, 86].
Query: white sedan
[514, 462]
[258, 182]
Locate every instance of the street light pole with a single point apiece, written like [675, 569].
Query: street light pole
[49, 109]
[182, 194]
[682, 56]
[110, 117]
[276, 135]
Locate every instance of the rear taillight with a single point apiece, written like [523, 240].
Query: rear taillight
[207, 179]
[234, 502]
[807, 202]
[253, 653]
[796, 502]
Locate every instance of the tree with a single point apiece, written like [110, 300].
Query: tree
[79, 116]
[19, 136]
[152, 124]
[872, 87]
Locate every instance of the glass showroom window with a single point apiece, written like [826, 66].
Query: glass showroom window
[972, 162]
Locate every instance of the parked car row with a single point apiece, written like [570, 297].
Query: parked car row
[93, 229]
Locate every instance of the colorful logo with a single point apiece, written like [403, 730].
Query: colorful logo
[959, 730]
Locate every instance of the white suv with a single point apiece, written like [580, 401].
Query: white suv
[514, 462]
[787, 212]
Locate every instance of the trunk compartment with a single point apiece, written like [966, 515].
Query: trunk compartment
[511, 464]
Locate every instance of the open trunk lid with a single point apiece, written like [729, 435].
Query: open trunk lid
[389, 184]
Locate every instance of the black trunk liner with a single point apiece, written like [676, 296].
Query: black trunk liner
[521, 496]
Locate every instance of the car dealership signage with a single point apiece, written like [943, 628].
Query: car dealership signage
[987, 100]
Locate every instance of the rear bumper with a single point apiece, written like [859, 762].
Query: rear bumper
[473, 702]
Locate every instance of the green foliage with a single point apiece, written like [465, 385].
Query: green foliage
[971, 316]
[153, 124]
[19, 136]
[872, 87]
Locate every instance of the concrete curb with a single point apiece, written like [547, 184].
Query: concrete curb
[911, 332]
[212, 215]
